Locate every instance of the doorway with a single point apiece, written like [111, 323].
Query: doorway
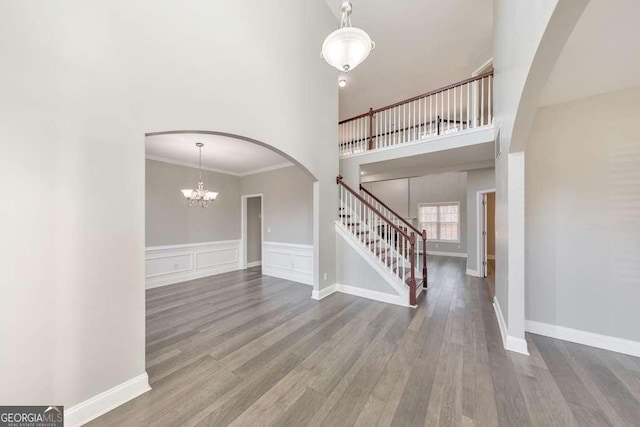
[487, 237]
[252, 235]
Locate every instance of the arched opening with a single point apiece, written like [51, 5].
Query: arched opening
[211, 254]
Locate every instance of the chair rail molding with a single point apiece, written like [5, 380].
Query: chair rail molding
[169, 264]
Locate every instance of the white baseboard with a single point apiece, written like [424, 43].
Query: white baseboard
[605, 342]
[288, 261]
[104, 402]
[373, 295]
[360, 292]
[324, 292]
[473, 273]
[166, 265]
[254, 264]
[453, 254]
[511, 343]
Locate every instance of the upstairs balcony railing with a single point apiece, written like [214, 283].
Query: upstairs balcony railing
[458, 107]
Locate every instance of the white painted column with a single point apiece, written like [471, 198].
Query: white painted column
[516, 278]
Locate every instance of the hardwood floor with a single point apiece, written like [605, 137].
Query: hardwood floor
[244, 349]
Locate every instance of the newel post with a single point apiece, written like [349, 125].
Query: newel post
[412, 260]
[370, 129]
[424, 258]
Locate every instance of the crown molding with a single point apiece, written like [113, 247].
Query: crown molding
[223, 171]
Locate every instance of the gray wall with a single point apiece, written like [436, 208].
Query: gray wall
[288, 204]
[477, 180]
[583, 215]
[168, 221]
[353, 270]
[404, 195]
[254, 229]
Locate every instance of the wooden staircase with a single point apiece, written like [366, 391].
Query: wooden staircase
[389, 240]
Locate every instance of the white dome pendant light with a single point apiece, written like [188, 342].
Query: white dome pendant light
[199, 196]
[347, 47]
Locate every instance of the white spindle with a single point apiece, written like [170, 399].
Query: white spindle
[468, 105]
[454, 107]
[482, 102]
[490, 104]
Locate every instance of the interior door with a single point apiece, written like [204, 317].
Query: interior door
[484, 235]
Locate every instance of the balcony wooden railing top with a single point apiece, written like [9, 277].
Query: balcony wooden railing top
[461, 106]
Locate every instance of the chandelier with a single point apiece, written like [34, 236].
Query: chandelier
[347, 47]
[199, 196]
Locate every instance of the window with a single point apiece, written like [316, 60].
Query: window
[441, 221]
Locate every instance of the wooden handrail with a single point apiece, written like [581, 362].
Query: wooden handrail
[433, 92]
[411, 226]
[339, 181]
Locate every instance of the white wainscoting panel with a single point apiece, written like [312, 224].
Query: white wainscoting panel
[288, 261]
[165, 265]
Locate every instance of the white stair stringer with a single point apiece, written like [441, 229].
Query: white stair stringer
[361, 283]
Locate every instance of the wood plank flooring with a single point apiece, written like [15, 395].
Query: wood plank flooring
[244, 349]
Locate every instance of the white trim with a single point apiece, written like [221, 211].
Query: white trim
[324, 292]
[266, 169]
[222, 171]
[243, 228]
[289, 261]
[104, 402]
[440, 253]
[510, 343]
[187, 245]
[373, 295]
[254, 264]
[189, 165]
[479, 228]
[360, 292]
[480, 69]
[380, 267]
[473, 273]
[605, 342]
[170, 264]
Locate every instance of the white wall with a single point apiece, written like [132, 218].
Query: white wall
[528, 38]
[168, 221]
[81, 86]
[477, 180]
[583, 215]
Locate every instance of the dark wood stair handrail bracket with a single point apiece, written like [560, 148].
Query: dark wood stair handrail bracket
[411, 238]
[422, 233]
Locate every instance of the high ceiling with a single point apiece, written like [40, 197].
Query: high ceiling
[220, 153]
[420, 45]
[601, 54]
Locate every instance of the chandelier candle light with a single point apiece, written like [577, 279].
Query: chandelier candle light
[200, 196]
[347, 47]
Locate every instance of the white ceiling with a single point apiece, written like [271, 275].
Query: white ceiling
[219, 154]
[602, 54]
[420, 45]
[478, 156]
